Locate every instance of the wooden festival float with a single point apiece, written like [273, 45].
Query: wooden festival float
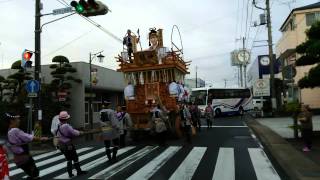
[149, 72]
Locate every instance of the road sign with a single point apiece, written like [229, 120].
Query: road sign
[261, 88]
[32, 95]
[33, 86]
[62, 11]
[62, 99]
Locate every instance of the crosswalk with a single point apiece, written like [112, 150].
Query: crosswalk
[147, 162]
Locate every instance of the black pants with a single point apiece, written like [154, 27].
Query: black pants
[199, 124]
[30, 169]
[161, 138]
[187, 133]
[123, 138]
[307, 137]
[209, 122]
[107, 144]
[70, 153]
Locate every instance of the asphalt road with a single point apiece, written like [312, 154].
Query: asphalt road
[227, 151]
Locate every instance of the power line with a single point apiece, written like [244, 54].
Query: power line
[102, 28]
[248, 36]
[209, 56]
[237, 25]
[68, 43]
[247, 17]
[242, 18]
[94, 23]
[258, 30]
[5, 1]
[63, 3]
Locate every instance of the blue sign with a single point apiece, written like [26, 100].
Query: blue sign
[33, 86]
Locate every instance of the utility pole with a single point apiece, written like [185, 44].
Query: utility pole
[196, 76]
[273, 91]
[37, 71]
[241, 76]
[245, 65]
[90, 98]
[225, 83]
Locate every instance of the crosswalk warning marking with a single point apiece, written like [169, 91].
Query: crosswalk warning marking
[189, 165]
[51, 160]
[119, 166]
[224, 168]
[95, 163]
[62, 165]
[153, 166]
[262, 165]
[12, 165]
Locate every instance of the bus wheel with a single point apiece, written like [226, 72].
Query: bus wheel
[218, 112]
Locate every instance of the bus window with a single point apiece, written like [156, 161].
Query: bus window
[199, 97]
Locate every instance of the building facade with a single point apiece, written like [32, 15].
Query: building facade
[293, 34]
[260, 69]
[194, 83]
[110, 87]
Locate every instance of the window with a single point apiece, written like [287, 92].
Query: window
[312, 18]
[228, 93]
[290, 26]
[199, 97]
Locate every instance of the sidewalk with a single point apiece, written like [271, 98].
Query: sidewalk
[287, 153]
[281, 125]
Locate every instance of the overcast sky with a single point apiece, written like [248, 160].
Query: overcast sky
[208, 29]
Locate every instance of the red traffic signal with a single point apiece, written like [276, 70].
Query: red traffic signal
[27, 55]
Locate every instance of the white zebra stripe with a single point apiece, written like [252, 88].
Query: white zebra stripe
[62, 165]
[224, 169]
[119, 166]
[189, 165]
[12, 165]
[51, 160]
[149, 169]
[262, 166]
[95, 163]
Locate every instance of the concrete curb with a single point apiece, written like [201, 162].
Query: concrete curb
[293, 162]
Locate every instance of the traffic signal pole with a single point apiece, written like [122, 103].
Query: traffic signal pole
[37, 69]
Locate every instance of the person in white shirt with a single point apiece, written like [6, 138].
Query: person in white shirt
[54, 124]
[54, 127]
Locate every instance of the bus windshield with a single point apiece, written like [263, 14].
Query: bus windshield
[199, 97]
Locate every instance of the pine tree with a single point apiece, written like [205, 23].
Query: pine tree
[62, 76]
[310, 51]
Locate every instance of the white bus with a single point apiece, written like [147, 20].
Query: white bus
[225, 101]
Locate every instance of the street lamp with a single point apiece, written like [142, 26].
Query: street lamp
[91, 57]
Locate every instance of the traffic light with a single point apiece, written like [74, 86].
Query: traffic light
[25, 61]
[90, 7]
